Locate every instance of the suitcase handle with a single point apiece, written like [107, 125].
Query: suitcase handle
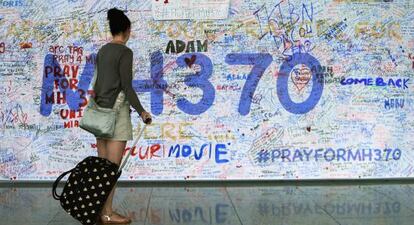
[55, 184]
[148, 121]
[133, 145]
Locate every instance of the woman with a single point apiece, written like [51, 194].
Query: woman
[113, 88]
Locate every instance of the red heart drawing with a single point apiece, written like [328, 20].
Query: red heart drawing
[191, 61]
[301, 77]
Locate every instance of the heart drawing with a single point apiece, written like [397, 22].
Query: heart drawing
[301, 77]
[190, 61]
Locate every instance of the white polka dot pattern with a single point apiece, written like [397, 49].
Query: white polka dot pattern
[88, 187]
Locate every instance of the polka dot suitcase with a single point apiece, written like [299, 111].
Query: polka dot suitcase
[88, 186]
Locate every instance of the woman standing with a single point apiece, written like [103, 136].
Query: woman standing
[113, 88]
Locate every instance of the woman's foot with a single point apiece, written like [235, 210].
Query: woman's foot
[114, 218]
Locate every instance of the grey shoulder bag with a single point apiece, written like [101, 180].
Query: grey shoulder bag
[98, 120]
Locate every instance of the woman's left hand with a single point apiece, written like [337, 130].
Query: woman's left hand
[146, 117]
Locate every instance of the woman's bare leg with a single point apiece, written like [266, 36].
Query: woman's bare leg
[114, 153]
[101, 145]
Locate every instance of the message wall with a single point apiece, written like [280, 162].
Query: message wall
[238, 90]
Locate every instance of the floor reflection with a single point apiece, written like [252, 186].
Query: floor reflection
[246, 205]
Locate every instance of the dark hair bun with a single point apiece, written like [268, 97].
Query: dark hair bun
[114, 13]
[118, 21]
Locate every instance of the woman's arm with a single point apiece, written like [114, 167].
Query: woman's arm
[125, 71]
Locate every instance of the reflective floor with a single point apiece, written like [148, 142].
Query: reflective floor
[362, 204]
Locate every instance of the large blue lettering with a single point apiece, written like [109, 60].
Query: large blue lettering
[156, 85]
[283, 79]
[260, 63]
[200, 80]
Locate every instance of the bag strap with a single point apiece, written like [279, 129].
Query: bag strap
[93, 82]
[56, 183]
[133, 145]
[118, 105]
[95, 75]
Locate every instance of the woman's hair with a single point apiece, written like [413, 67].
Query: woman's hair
[118, 21]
